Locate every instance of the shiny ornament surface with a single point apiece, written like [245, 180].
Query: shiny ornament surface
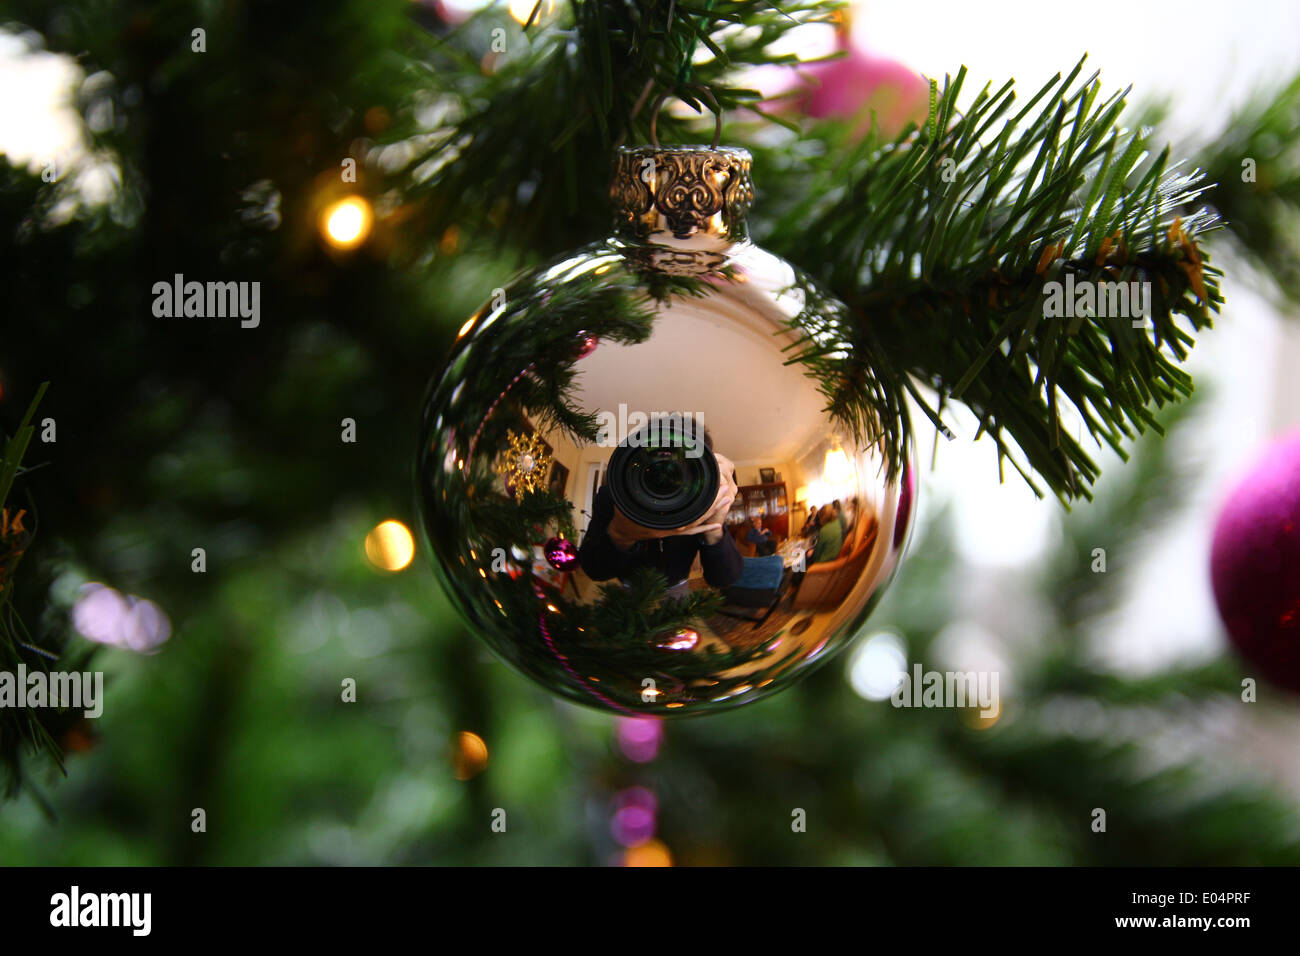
[1255, 564]
[561, 554]
[712, 352]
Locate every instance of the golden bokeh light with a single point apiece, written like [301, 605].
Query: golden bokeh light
[651, 853]
[470, 757]
[976, 719]
[389, 546]
[346, 223]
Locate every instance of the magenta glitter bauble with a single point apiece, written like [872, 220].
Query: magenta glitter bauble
[1255, 564]
[587, 344]
[561, 554]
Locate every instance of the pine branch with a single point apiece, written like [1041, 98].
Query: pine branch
[527, 152]
[942, 243]
[1255, 164]
[1182, 815]
[25, 730]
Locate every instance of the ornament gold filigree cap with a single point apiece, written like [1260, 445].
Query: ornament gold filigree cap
[669, 194]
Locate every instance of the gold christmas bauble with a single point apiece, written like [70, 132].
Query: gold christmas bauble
[703, 421]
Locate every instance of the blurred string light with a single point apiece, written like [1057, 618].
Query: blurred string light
[633, 822]
[634, 819]
[389, 545]
[975, 719]
[346, 223]
[639, 737]
[107, 616]
[651, 853]
[470, 757]
[878, 665]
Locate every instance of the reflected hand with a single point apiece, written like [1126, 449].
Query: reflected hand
[711, 525]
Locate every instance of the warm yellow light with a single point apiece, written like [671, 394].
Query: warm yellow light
[469, 324]
[652, 853]
[977, 719]
[801, 494]
[521, 10]
[347, 222]
[470, 757]
[389, 546]
[837, 470]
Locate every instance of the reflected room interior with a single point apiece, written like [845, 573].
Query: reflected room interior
[811, 509]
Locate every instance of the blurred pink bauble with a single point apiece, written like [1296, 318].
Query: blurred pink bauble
[860, 81]
[857, 85]
[1255, 564]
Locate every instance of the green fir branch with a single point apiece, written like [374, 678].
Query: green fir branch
[1255, 164]
[527, 153]
[942, 242]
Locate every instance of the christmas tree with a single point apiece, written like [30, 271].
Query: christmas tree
[213, 509]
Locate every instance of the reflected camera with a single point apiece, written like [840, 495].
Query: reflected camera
[664, 475]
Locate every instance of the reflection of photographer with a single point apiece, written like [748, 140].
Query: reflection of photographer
[665, 500]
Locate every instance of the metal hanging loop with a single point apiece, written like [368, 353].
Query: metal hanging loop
[705, 94]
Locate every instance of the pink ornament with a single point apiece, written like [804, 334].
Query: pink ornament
[561, 554]
[587, 344]
[1255, 564]
[856, 86]
[683, 639]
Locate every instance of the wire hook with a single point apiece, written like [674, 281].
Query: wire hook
[705, 94]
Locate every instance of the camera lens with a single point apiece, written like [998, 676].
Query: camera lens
[663, 476]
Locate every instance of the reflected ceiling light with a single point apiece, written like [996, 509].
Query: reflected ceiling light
[836, 470]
